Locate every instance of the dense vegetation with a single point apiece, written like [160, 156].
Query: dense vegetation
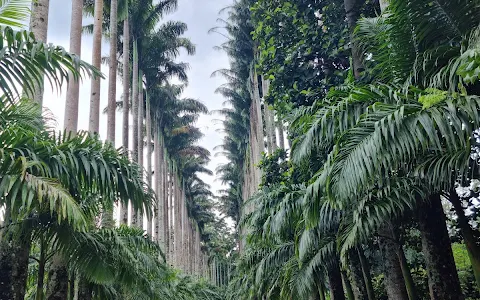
[376, 196]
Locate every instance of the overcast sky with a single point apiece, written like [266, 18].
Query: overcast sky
[200, 16]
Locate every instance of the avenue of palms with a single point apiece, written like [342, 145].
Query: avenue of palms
[350, 133]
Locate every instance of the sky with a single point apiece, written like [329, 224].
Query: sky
[200, 16]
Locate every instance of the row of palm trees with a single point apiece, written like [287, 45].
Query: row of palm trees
[59, 191]
[371, 156]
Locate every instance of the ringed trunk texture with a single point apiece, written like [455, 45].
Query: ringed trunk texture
[14, 252]
[443, 279]
[94, 120]
[335, 282]
[394, 280]
[57, 288]
[73, 89]
[112, 73]
[39, 28]
[470, 236]
[126, 102]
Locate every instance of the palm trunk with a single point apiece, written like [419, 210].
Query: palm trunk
[166, 218]
[443, 279]
[159, 215]
[135, 119]
[107, 216]
[281, 134]
[57, 288]
[367, 277]
[352, 12]
[84, 290]
[41, 269]
[39, 28]
[470, 236]
[14, 252]
[407, 274]
[148, 125]
[126, 101]
[347, 286]
[356, 275]
[258, 124]
[112, 73]
[73, 89]
[335, 282]
[94, 120]
[394, 280]
[141, 113]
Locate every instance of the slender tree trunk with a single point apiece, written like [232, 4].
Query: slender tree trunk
[57, 288]
[14, 252]
[281, 133]
[39, 28]
[135, 221]
[148, 125]
[394, 280]
[352, 12]
[443, 279]
[335, 282]
[94, 120]
[126, 101]
[166, 218]
[258, 123]
[356, 276]
[126, 79]
[407, 275]
[112, 73]
[159, 224]
[141, 113]
[41, 269]
[367, 277]
[348, 286]
[470, 237]
[73, 89]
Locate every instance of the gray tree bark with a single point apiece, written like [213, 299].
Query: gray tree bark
[112, 73]
[148, 125]
[135, 221]
[73, 89]
[14, 252]
[126, 101]
[94, 120]
[352, 12]
[394, 281]
[141, 113]
[335, 282]
[443, 279]
[39, 28]
[57, 288]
